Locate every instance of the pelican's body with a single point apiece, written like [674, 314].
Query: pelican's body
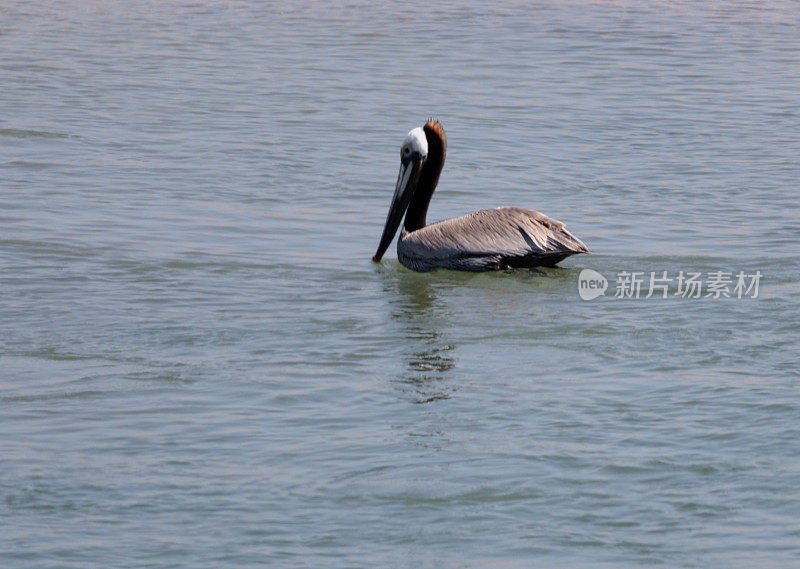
[489, 239]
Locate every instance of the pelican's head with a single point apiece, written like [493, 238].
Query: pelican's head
[412, 156]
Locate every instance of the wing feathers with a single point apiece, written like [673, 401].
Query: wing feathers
[490, 239]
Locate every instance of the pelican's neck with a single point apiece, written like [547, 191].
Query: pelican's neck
[428, 178]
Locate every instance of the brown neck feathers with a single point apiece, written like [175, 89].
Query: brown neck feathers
[429, 177]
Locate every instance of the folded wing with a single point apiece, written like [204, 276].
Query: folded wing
[489, 239]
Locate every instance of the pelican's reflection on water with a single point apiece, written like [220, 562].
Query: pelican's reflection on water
[428, 359]
[429, 308]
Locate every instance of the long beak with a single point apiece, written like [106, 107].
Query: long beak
[403, 191]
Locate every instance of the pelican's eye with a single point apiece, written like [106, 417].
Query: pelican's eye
[405, 152]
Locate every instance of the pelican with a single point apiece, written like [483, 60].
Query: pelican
[487, 240]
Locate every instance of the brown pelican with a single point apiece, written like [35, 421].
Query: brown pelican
[487, 240]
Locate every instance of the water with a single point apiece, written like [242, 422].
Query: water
[201, 367]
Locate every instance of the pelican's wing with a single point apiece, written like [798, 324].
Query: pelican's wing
[490, 238]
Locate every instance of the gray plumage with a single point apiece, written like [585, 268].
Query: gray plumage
[489, 239]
